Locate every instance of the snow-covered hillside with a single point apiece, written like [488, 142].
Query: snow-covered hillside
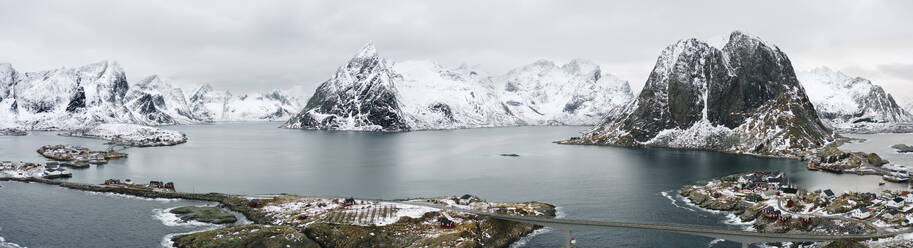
[741, 97]
[76, 98]
[131, 134]
[155, 102]
[576, 93]
[64, 98]
[210, 105]
[370, 93]
[853, 104]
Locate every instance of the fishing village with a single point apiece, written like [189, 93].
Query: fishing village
[78, 157]
[769, 203]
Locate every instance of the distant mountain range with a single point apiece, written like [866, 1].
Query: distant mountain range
[741, 97]
[853, 104]
[72, 98]
[370, 93]
[697, 95]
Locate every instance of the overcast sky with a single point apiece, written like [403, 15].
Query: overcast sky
[260, 45]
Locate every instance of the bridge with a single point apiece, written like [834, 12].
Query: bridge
[744, 237]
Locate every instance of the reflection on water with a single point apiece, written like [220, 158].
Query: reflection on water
[588, 182]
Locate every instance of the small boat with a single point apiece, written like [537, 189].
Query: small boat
[98, 161]
[880, 183]
[896, 178]
[812, 166]
[832, 168]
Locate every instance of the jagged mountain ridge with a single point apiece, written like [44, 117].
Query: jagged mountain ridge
[209, 105]
[741, 97]
[63, 98]
[75, 98]
[370, 93]
[154, 101]
[853, 104]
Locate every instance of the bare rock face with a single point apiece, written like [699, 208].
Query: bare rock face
[370, 93]
[741, 97]
[360, 96]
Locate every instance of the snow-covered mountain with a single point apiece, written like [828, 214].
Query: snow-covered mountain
[64, 98]
[207, 104]
[577, 93]
[155, 102]
[908, 106]
[741, 97]
[76, 98]
[370, 93]
[853, 104]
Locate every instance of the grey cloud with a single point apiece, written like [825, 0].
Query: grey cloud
[247, 45]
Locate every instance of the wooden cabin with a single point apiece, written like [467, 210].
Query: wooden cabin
[446, 223]
[254, 203]
[348, 201]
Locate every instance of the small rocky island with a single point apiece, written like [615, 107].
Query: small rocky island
[13, 132]
[77, 156]
[903, 148]
[347, 222]
[212, 215]
[131, 135]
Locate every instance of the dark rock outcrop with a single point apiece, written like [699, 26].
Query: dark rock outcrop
[743, 97]
[212, 215]
[360, 95]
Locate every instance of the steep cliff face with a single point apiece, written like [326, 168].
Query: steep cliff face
[156, 102]
[853, 104]
[360, 96]
[373, 94]
[743, 97]
[65, 98]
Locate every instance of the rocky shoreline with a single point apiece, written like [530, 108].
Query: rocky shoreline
[280, 220]
[767, 203]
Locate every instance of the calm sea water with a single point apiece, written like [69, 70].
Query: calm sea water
[586, 182]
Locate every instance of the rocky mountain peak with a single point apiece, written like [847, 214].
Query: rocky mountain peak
[853, 104]
[361, 95]
[699, 96]
[367, 51]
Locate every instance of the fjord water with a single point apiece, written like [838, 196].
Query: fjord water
[586, 182]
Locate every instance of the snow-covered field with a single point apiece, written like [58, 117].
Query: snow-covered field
[132, 134]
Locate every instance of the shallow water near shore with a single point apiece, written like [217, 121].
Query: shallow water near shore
[586, 182]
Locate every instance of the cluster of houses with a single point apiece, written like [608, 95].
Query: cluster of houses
[764, 183]
[889, 208]
[153, 185]
[772, 213]
[835, 168]
[77, 156]
[23, 170]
